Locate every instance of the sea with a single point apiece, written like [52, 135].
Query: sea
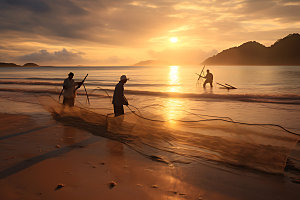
[174, 95]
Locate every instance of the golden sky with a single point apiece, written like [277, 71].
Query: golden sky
[123, 32]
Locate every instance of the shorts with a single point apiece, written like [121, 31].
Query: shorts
[118, 110]
[69, 101]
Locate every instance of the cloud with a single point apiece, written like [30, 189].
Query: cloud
[40, 17]
[33, 5]
[105, 22]
[191, 56]
[58, 57]
[99, 25]
[283, 11]
[127, 22]
[112, 59]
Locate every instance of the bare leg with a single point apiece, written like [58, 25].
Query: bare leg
[204, 84]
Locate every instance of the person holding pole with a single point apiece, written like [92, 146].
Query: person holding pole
[209, 79]
[69, 90]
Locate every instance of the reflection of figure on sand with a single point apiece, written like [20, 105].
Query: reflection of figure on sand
[69, 133]
[119, 99]
[115, 148]
[69, 89]
[209, 78]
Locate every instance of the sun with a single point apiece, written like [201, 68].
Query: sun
[173, 39]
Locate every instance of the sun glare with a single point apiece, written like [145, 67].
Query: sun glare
[173, 78]
[173, 39]
[173, 105]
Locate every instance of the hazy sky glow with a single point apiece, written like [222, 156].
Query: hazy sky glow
[123, 32]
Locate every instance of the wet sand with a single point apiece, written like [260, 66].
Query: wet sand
[44, 159]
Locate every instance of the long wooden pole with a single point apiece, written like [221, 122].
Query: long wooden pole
[201, 72]
[81, 82]
[60, 94]
[87, 96]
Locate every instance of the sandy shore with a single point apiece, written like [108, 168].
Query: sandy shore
[44, 159]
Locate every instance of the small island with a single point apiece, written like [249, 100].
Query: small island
[3, 64]
[30, 65]
[151, 63]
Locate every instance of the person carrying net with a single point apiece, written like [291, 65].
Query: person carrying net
[118, 98]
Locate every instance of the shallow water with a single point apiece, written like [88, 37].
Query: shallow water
[265, 94]
[163, 96]
[260, 147]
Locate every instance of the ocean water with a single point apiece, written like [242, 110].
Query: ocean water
[171, 114]
[265, 94]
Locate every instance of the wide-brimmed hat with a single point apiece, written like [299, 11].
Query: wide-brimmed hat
[71, 74]
[123, 77]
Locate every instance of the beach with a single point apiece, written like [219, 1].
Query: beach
[149, 100]
[42, 158]
[176, 140]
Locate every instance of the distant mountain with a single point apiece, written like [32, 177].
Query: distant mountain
[151, 63]
[284, 51]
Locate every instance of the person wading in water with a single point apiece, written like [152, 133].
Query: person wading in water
[69, 90]
[209, 78]
[119, 99]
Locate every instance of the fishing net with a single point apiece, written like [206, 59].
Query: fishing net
[192, 137]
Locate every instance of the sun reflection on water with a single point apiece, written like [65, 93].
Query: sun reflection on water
[173, 105]
[174, 80]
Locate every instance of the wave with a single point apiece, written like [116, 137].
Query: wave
[42, 79]
[44, 82]
[259, 98]
[90, 67]
[292, 99]
[33, 78]
[29, 83]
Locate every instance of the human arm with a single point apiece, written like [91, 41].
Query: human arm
[78, 84]
[65, 84]
[125, 101]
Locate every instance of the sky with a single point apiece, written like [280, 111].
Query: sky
[124, 32]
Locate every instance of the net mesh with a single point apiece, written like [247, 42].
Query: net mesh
[262, 147]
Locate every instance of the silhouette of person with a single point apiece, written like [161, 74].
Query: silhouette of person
[119, 99]
[70, 90]
[209, 78]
